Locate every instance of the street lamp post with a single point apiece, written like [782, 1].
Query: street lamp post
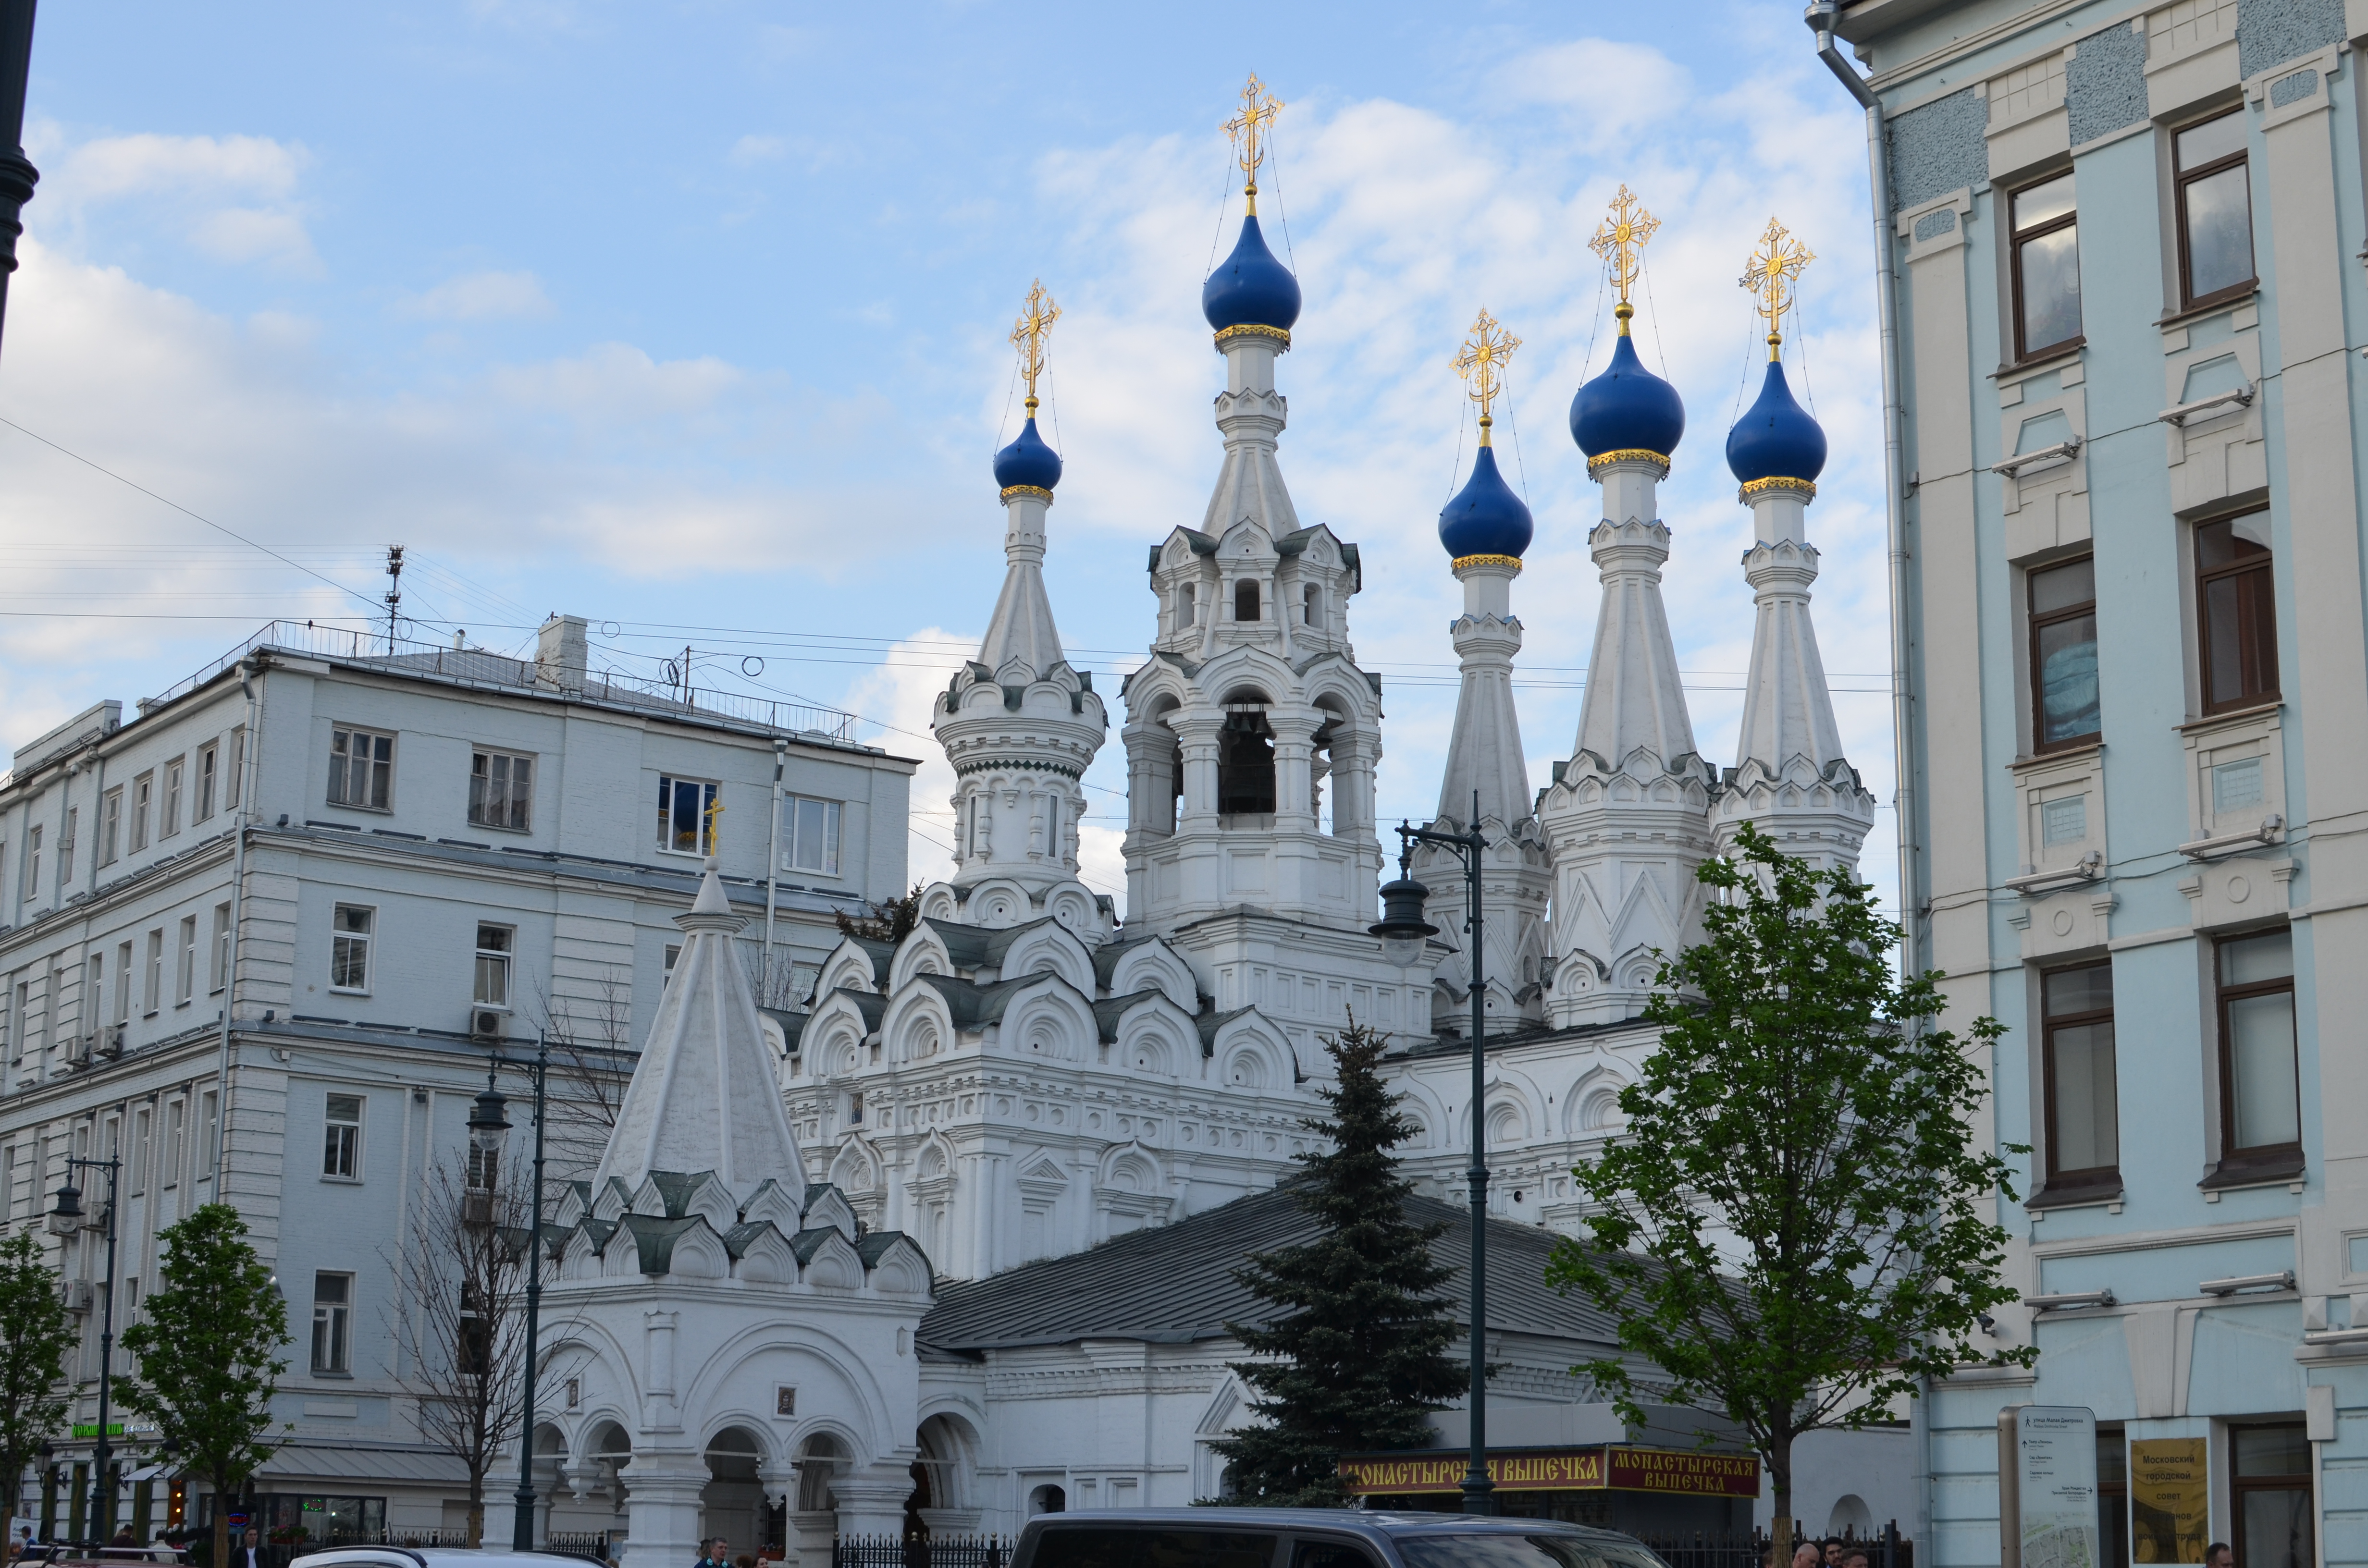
[1403, 932]
[65, 1219]
[487, 1130]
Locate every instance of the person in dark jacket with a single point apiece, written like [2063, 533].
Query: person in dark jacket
[711, 1554]
[248, 1552]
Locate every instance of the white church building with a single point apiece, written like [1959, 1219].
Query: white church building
[954, 1246]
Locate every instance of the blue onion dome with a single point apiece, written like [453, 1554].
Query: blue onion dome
[1028, 462]
[1486, 518]
[1627, 408]
[1776, 438]
[1250, 288]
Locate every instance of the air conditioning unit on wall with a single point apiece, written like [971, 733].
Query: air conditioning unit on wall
[485, 1023]
[78, 1295]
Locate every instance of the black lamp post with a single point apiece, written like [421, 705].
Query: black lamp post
[65, 1219]
[17, 176]
[1403, 932]
[487, 1130]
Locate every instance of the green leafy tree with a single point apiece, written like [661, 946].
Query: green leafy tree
[1800, 1102]
[890, 920]
[34, 1338]
[1354, 1356]
[206, 1344]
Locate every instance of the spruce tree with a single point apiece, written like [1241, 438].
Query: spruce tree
[1354, 1354]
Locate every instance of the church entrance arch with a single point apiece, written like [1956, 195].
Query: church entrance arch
[732, 1504]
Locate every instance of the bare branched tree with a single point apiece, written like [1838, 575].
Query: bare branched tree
[592, 1055]
[461, 1327]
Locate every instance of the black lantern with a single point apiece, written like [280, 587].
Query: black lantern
[1402, 928]
[487, 1123]
[65, 1215]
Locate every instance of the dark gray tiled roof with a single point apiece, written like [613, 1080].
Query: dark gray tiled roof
[1175, 1284]
[1107, 1013]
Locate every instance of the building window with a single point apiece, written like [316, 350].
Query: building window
[812, 830]
[95, 989]
[221, 976]
[153, 997]
[2083, 1126]
[2063, 654]
[1246, 600]
[136, 1166]
[2237, 610]
[475, 1350]
[2270, 1492]
[66, 836]
[2216, 211]
[186, 980]
[237, 766]
[1310, 605]
[501, 790]
[333, 1308]
[209, 1128]
[673, 953]
[124, 982]
[110, 826]
[2046, 268]
[31, 873]
[2260, 1103]
[176, 1150]
[341, 1145]
[143, 791]
[684, 826]
[171, 823]
[207, 757]
[1187, 610]
[495, 945]
[361, 769]
[350, 940]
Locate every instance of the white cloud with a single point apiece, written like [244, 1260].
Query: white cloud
[899, 696]
[752, 149]
[233, 197]
[481, 295]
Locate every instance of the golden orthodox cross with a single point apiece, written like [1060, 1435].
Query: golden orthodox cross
[1771, 275]
[714, 837]
[1035, 326]
[1621, 240]
[1481, 362]
[1259, 109]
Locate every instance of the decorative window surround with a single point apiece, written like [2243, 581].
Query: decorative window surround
[2236, 782]
[2211, 426]
[2027, 124]
[2060, 838]
[2044, 478]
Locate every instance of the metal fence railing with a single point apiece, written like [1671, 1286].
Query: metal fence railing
[920, 1551]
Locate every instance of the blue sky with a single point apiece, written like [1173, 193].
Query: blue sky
[689, 318]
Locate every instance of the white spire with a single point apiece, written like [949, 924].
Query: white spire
[1789, 777]
[1022, 628]
[705, 1096]
[1485, 759]
[1627, 817]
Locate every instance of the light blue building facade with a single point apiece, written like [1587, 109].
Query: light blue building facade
[2124, 244]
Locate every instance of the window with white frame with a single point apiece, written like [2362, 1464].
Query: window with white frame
[495, 945]
[176, 1143]
[31, 874]
[110, 826]
[94, 985]
[350, 930]
[361, 769]
[185, 985]
[66, 836]
[684, 825]
[136, 1167]
[210, 1130]
[810, 834]
[154, 996]
[341, 1139]
[501, 790]
[237, 766]
[333, 1310]
[209, 758]
[144, 794]
[221, 976]
[170, 820]
[124, 982]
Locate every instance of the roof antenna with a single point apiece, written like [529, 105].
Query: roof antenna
[393, 592]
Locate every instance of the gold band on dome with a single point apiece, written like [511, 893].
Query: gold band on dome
[1601, 460]
[1036, 491]
[1773, 485]
[1460, 561]
[1250, 329]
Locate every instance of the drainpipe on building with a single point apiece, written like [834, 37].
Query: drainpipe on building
[1820, 17]
[250, 767]
[773, 863]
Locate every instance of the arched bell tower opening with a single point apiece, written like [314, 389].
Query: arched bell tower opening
[1246, 760]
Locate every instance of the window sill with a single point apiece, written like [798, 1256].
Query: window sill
[334, 991]
[497, 827]
[2211, 305]
[2229, 1175]
[2030, 760]
[341, 1181]
[340, 1377]
[344, 806]
[2076, 1195]
[2047, 358]
[2231, 716]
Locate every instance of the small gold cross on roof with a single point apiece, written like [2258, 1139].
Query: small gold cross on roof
[1259, 108]
[1481, 362]
[1771, 275]
[1621, 240]
[1029, 337]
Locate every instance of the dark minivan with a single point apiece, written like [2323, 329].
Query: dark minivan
[1315, 1537]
